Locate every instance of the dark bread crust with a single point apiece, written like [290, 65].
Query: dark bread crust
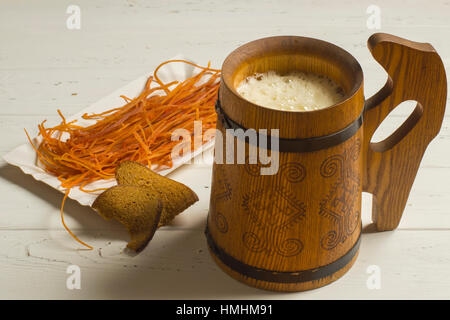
[134, 207]
[175, 196]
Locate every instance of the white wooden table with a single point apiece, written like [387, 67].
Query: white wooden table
[45, 66]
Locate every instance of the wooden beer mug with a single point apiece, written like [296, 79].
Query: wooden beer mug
[300, 228]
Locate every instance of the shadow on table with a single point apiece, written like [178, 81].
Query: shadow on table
[89, 220]
[177, 265]
[369, 228]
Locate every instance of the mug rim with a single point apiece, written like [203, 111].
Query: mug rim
[227, 71]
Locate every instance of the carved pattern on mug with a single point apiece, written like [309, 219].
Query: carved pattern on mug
[252, 242]
[224, 191]
[268, 244]
[252, 169]
[290, 247]
[338, 205]
[220, 221]
[222, 194]
[293, 172]
[332, 165]
[264, 208]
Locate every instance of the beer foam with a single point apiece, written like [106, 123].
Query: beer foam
[296, 91]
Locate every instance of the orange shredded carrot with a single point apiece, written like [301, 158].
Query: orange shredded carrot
[139, 131]
[64, 224]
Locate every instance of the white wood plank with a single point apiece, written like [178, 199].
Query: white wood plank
[104, 51]
[72, 89]
[413, 265]
[43, 64]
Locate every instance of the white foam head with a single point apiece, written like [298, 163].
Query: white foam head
[296, 91]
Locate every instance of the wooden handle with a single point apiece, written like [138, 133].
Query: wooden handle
[415, 73]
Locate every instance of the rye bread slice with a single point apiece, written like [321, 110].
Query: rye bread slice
[134, 207]
[175, 196]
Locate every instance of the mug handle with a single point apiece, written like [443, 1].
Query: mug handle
[415, 72]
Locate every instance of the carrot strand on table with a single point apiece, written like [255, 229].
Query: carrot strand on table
[64, 224]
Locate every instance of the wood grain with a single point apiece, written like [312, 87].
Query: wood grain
[307, 215]
[415, 73]
[313, 216]
[177, 261]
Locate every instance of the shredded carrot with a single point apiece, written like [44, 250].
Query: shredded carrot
[64, 224]
[139, 131]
